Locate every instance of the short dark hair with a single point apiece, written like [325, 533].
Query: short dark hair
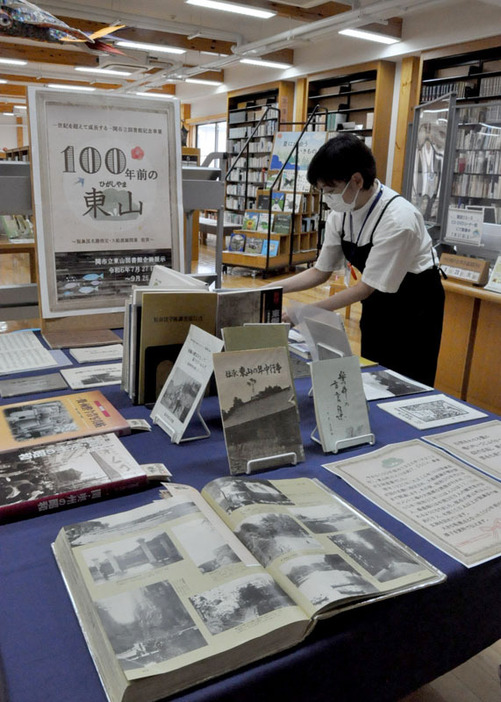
[341, 157]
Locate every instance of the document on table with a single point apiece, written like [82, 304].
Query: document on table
[22, 351]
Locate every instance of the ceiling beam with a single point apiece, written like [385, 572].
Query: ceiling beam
[303, 14]
[47, 53]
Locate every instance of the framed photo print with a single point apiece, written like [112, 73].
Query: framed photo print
[107, 195]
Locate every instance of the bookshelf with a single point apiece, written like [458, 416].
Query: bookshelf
[357, 98]
[472, 75]
[477, 158]
[256, 113]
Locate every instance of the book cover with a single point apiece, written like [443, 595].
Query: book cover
[44, 478]
[186, 383]
[165, 321]
[250, 221]
[194, 585]
[273, 247]
[263, 201]
[277, 202]
[28, 423]
[236, 306]
[165, 277]
[291, 203]
[340, 407]
[264, 222]
[282, 223]
[253, 244]
[258, 408]
[237, 242]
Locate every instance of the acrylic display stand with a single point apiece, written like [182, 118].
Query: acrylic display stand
[178, 439]
[346, 443]
[281, 459]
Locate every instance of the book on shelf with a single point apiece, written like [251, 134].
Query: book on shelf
[250, 221]
[273, 247]
[282, 223]
[42, 479]
[186, 383]
[340, 406]
[237, 242]
[258, 408]
[264, 222]
[253, 244]
[263, 201]
[196, 585]
[32, 422]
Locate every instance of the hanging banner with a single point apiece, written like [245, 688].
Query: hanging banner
[107, 195]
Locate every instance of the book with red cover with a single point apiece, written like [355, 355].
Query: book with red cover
[44, 478]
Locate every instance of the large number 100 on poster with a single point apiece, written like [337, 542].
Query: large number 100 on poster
[106, 174]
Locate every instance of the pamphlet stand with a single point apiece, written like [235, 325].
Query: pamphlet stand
[281, 459]
[331, 351]
[175, 437]
[347, 443]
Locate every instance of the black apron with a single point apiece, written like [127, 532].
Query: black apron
[401, 330]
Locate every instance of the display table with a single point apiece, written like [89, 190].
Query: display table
[469, 365]
[378, 652]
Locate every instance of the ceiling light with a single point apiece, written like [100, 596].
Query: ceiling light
[13, 62]
[268, 64]
[2, 80]
[213, 53]
[103, 71]
[231, 7]
[156, 95]
[150, 47]
[20, 107]
[8, 114]
[203, 81]
[370, 36]
[63, 86]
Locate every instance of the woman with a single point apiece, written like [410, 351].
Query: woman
[378, 232]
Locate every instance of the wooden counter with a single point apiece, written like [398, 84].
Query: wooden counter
[469, 365]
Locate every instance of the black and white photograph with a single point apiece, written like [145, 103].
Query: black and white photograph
[258, 406]
[232, 493]
[180, 393]
[325, 578]
[386, 383]
[127, 558]
[204, 545]
[239, 601]
[430, 412]
[377, 554]
[124, 523]
[268, 536]
[50, 470]
[34, 421]
[328, 518]
[148, 625]
[93, 376]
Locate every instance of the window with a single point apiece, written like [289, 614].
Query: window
[211, 137]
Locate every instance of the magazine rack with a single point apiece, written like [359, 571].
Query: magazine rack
[265, 462]
[177, 438]
[346, 443]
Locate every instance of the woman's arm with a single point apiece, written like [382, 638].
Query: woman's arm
[309, 278]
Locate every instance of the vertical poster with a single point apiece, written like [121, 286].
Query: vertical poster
[107, 196]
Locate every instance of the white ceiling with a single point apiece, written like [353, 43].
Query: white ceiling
[315, 42]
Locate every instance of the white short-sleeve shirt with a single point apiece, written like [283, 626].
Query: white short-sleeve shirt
[401, 243]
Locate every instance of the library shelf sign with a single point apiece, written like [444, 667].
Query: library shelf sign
[107, 196]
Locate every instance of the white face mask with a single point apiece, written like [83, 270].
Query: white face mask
[334, 201]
